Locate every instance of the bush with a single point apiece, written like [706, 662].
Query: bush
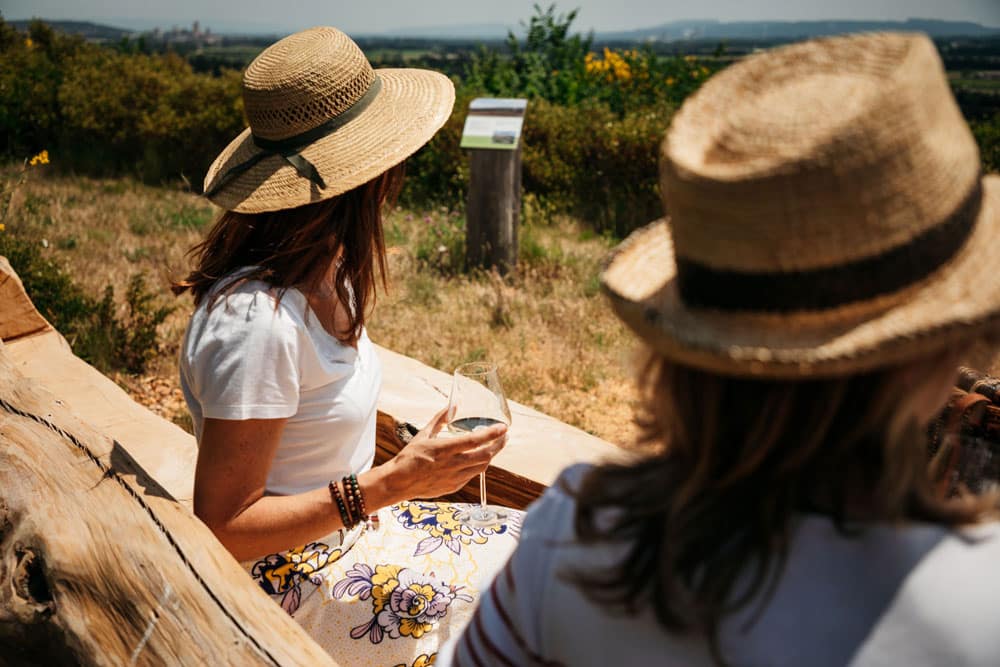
[31, 71]
[106, 112]
[128, 343]
[91, 326]
[585, 160]
[592, 131]
[151, 115]
[987, 135]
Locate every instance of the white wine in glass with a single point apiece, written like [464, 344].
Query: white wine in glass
[477, 401]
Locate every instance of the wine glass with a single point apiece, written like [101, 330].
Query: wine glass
[476, 402]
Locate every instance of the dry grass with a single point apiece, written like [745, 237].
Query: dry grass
[559, 348]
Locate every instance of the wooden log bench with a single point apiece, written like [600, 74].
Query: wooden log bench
[101, 559]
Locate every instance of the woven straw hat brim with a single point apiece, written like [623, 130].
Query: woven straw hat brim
[410, 108]
[952, 305]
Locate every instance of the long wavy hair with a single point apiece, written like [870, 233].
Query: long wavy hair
[728, 464]
[295, 248]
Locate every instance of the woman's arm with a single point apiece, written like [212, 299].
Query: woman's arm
[234, 457]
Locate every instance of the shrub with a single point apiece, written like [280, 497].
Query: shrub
[55, 295]
[31, 71]
[108, 112]
[126, 343]
[151, 115]
[585, 160]
[548, 64]
[987, 135]
[92, 327]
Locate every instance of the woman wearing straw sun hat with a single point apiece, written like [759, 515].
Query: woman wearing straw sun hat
[828, 255]
[282, 380]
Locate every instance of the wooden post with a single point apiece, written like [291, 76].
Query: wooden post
[494, 209]
[492, 132]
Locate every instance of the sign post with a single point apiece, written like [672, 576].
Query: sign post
[492, 132]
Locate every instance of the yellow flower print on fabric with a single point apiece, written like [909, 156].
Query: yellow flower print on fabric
[440, 521]
[423, 660]
[384, 582]
[284, 573]
[405, 603]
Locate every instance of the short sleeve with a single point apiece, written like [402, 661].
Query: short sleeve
[242, 358]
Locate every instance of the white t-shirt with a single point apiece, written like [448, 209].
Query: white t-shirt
[917, 595]
[245, 359]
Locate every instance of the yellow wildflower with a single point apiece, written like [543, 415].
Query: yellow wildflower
[28, 42]
[671, 81]
[2, 227]
[41, 158]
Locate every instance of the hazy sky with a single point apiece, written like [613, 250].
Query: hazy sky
[372, 16]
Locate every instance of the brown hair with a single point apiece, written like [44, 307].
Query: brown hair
[295, 247]
[733, 461]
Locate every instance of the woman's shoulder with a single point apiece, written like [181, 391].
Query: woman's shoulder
[561, 493]
[551, 515]
[248, 303]
[250, 312]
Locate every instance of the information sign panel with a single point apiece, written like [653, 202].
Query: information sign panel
[494, 123]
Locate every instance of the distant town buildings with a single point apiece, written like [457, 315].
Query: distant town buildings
[195, 36]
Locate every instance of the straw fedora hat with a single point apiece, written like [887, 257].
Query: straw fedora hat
[322, 122]
[826, 215]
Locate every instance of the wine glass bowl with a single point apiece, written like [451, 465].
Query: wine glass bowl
[477, 401]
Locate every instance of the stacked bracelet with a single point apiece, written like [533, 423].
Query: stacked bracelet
[358, 496]
[355, 500]
[345, 515]
[350, 502]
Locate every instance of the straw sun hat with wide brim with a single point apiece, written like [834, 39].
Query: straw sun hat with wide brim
[826, 215]
[323, 122]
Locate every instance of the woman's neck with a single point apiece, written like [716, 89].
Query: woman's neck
[326, 304]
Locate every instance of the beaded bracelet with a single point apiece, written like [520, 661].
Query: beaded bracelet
[356, 499]
[345, 516]
[358, 496]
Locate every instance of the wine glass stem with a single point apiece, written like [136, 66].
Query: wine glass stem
[482, 490]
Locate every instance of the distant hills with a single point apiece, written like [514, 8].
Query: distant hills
[719, 30]
[667, 32]
[788, 30]
[487, 31]
[91, 31]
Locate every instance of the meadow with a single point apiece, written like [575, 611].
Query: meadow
[559, 348]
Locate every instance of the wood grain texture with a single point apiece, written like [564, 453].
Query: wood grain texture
[493, 213]
[99, 565]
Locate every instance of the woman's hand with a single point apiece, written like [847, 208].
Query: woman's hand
[429, 467]
[234, 458]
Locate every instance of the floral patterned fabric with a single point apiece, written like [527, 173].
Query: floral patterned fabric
[391, 593]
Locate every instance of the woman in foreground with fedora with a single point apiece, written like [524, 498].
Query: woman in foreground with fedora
[829, 254]
[282, 380]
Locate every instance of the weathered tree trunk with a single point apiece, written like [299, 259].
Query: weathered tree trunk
[100, 566]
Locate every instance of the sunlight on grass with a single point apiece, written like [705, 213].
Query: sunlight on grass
[559, 348]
